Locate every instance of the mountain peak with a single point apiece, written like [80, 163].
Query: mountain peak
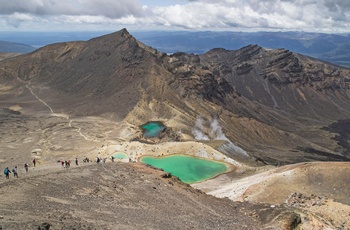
[118, 35]
[124, 31]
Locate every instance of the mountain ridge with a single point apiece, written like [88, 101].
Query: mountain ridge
[100, 75]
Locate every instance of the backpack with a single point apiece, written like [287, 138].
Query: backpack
[6, 171]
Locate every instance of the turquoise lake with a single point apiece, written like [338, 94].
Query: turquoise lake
[120, 156]
[187, 168]
[152, 129]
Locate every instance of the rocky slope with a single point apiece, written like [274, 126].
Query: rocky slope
[123, 196]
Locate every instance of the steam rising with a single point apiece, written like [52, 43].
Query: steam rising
[215, 133]
[199, 130]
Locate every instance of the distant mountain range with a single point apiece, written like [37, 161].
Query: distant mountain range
[11, 47]
[333, 48]
[328, 47]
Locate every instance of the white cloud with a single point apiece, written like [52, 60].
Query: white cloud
[276, 14]
[309, 15]
[16, 19]
[107, 8]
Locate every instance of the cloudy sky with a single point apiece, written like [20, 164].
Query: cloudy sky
[235, 15]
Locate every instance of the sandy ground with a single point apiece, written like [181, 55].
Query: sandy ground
[322, 186]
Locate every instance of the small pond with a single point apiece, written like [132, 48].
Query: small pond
[187, 168]
[152, 129]
[120, 156]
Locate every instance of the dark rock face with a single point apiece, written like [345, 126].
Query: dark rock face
[281, 79]
[194, 80]
[342, 128]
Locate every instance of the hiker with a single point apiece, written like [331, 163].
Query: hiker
[97, 160]
[112, 157]
[14, 170]
[62, 163]
[34, 162]
[86, 160]
[26, 166]
[68, 163]
[76, 161]
[7, 172]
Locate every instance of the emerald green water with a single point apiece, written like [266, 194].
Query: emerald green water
[188, 169]
[120, 156]
[152, 129]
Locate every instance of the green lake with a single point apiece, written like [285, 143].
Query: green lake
[152, 129]
[187, 168]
